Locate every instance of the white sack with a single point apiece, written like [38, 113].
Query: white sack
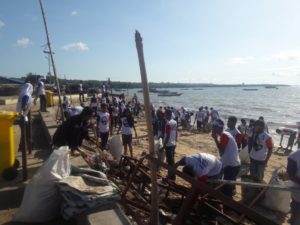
[244, 156]
[41, 200]
[116, 147]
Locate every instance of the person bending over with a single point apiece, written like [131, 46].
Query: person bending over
[201, 166]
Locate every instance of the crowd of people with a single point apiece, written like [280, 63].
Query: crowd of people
[110, 115]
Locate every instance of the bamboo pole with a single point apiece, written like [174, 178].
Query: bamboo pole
[52, 61]
[154, 195]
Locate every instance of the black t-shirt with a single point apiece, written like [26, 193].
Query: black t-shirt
[71, 132]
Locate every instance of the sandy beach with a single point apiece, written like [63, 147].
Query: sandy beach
[190, 142]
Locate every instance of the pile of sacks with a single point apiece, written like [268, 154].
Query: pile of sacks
[53, 191]
[89, 190]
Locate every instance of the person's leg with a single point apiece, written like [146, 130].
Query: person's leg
[102, 137]
[230, 173]
[281, 138]
[130, 145]
[295, 213]
[291, 141]
[170, 155]
[45, 103]
[105, 139]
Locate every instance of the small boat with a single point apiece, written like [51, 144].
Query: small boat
[169, 94]
[250, 89]
[271, 86]
[119, 90]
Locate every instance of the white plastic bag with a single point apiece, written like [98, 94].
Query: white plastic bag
[244, 156]
[275, 199]
[41, 200]
[116, 147]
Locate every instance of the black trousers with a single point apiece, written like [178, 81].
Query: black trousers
[170, 155]
[43, 103]
[104, 138]
[230, 173]
[81, 96]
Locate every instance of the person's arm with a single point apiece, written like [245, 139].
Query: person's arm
[238, 139]
[222, 144]
[181, 162]
[167, 137]
[269, 144]
[292, 170]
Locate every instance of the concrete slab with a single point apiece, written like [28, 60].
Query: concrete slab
[112, 215]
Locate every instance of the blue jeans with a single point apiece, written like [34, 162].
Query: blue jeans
[230, 173]
[295, 212]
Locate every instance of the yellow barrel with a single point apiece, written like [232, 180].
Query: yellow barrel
[49, 96]
[7, 145]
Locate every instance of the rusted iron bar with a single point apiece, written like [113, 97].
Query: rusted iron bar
[138, 206]
[134, 215]
[132, 176]
[187, 205]
[219, 212]
[252, 203]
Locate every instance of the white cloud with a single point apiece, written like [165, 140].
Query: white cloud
[238, 60]
[78, 46]
[2, 24]
[23, 42]
[286, 55]
[74, 13]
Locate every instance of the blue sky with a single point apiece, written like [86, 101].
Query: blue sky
[228, 41]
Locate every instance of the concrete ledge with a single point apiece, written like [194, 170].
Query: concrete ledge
[8, 101]
[109, 215]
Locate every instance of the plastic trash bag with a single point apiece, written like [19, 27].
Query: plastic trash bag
[116, 147]
[41, 200]
[276, 199]
[244, 156]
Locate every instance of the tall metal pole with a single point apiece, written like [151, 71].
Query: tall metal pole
[154, 195]
[52, 61]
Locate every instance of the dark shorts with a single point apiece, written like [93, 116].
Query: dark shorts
[199, 124]
[127, 139]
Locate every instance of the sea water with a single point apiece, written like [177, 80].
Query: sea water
[280, 107]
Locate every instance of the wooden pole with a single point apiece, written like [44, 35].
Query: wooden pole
[24, 147]
[256, 185]
[154, 195]
[52, 61]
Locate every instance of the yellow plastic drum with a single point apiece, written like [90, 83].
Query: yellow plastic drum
[7, 145]
[49, 96]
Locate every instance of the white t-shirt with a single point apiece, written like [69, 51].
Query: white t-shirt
[204, 164]
[230, 156]
[171, 130]
[263, 143]
[126, 129]
[200, 116]
[103, 121]
[41, 87]
[295, 156]
[80, 89]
